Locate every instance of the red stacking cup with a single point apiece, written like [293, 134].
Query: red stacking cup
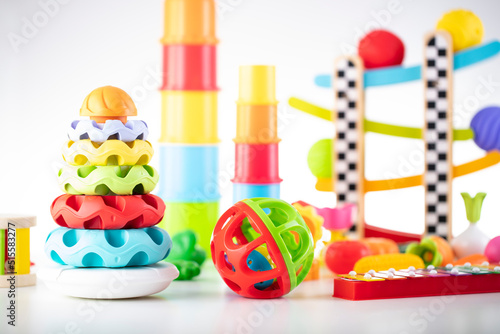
[257, 164]
[189, 67]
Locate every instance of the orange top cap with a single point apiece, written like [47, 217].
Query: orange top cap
[189, 22]
[108, 102]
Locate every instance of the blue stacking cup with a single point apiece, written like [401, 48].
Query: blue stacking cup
[189, 173]
[244, 190]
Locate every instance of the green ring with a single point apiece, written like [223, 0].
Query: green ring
[297, 224]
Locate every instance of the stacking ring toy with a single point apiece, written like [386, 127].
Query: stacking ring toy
[107, 180]
[107, 212]
[246, 226]
[111, 152]
[108, 248]
[94, 283]
[111, 129]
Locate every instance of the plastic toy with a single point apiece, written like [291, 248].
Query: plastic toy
[185, 247]
[472, 240]
[111, 129]
[417, 283]
[433, 250]
[187, 255]
[380, 246]
[347, 163]
[107, 212]
[187, 269]
[492, 250]
[108, 248]
[464, 26]
[388, 261]
[15, 250]
[474, 259]
[381, 48]
[111, 152]
[245, 227]
[95, 283]
[256, 143]
[485, 126]
[341, 256]
[102, 226]
[189, 153]
[108, 103]
[107, 180]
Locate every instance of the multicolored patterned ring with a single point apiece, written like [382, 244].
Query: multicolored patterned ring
[107, 180]
[107, 212]
[111, 152]
[111, 129]
[108, 248]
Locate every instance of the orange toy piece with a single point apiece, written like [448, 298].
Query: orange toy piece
[444, 249]
[108, 103]
[379, 246]
[474, 259]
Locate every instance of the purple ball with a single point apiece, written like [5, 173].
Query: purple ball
[486, 127]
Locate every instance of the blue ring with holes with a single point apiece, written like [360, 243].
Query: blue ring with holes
[108, 248]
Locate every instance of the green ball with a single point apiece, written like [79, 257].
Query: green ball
[319, 159]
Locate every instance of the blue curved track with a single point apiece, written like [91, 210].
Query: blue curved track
[398, 74]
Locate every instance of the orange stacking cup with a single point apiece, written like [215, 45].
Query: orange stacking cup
[257, 124]
[196, 25]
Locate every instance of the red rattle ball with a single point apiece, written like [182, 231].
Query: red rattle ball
[267, 222]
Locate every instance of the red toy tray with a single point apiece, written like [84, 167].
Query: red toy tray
[107, 212]
[441, 284]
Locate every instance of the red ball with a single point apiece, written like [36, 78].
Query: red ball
[381, 48]
[341, 256]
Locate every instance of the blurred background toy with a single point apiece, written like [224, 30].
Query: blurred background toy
[15, 251]
[433, 250]
[253, 223]
[492, 250]
[189, 153]
[381, 48]
[338, 164]
[465, 28]
[256, 142]
[472, 240]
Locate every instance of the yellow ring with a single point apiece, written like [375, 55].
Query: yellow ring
[111, 152]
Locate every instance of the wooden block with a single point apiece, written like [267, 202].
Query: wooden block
[19, 221]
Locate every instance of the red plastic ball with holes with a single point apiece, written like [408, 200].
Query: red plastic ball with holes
[341, 256]
[273, 224]
[381, 48]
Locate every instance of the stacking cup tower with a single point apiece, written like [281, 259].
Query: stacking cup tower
[107, 215]
[256, 166]
[188, 151]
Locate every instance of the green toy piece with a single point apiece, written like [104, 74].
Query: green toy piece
[185, 247]
[424, 249]
[319, 159]
[187, 269]
[473, 206]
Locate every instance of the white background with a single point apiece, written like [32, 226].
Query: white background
[87, 44]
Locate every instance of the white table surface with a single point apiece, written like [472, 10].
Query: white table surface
[206, 305]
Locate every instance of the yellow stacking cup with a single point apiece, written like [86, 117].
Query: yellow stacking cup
[189, 117]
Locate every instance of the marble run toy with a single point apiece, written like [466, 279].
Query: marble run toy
[347, 177]
[107, 217]
[413, 282]
[256, 166]
[15, 264]
[237, 243]
[189, 133]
